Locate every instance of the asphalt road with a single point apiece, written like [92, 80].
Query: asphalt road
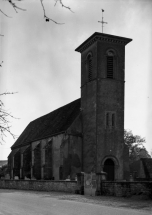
[40, 203]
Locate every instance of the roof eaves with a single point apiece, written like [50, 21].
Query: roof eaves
[29, 142]
[102, 37]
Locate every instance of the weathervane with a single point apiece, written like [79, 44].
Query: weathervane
[102, 22]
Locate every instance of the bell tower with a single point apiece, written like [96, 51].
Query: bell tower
[102, 103]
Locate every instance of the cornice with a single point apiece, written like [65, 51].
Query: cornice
[103, 38]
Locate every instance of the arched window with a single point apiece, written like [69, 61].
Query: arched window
[89, 66]
[110, 64]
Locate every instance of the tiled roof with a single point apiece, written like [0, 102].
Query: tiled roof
[50, 124]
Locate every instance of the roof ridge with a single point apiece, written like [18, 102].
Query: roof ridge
[54, 110]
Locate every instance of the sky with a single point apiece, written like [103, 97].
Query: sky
[40, 64]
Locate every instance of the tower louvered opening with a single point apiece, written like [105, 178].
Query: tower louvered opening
[109, 66]
[89, 68]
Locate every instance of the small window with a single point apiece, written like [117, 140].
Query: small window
[89, 67]
[110, 64]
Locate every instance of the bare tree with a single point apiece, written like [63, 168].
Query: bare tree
[5, 127]
[15, 6]
[5, 118]
[4, 114]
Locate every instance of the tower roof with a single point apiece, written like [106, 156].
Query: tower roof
[102, 37]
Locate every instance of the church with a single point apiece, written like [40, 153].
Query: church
[86, 135]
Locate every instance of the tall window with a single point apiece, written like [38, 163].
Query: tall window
[113, 119]
[107, 119]
[110, 64]
[110, 119]
[89, 67]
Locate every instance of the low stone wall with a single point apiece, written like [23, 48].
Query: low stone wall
[126, 189]
[121, 189]
[63, 186]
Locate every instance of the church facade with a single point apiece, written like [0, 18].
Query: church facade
[86, 135]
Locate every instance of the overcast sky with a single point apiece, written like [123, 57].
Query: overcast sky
[41, 65]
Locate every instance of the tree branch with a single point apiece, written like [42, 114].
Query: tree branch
[15, 6]
[4, 120]
[47, 19]
[5, 14]
[62, 5]
[2, 61]
[7, 93]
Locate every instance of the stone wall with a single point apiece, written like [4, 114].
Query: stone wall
[120, 189]
[127, 189]
[63, 186]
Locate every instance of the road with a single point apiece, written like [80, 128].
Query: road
[13, 202]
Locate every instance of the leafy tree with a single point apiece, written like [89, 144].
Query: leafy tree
[3, 171]
[136, 146]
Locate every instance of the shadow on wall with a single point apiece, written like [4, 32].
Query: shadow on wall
[71, 166]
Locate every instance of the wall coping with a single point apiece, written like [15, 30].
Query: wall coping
[75, 182]
[58, 181]
[127, 182]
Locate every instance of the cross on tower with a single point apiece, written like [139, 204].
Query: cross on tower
[102, 22]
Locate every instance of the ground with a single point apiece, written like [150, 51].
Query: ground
[14, 202]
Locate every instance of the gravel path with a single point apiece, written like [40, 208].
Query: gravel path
[137, 202]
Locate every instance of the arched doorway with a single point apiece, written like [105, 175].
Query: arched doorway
[109, 168]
